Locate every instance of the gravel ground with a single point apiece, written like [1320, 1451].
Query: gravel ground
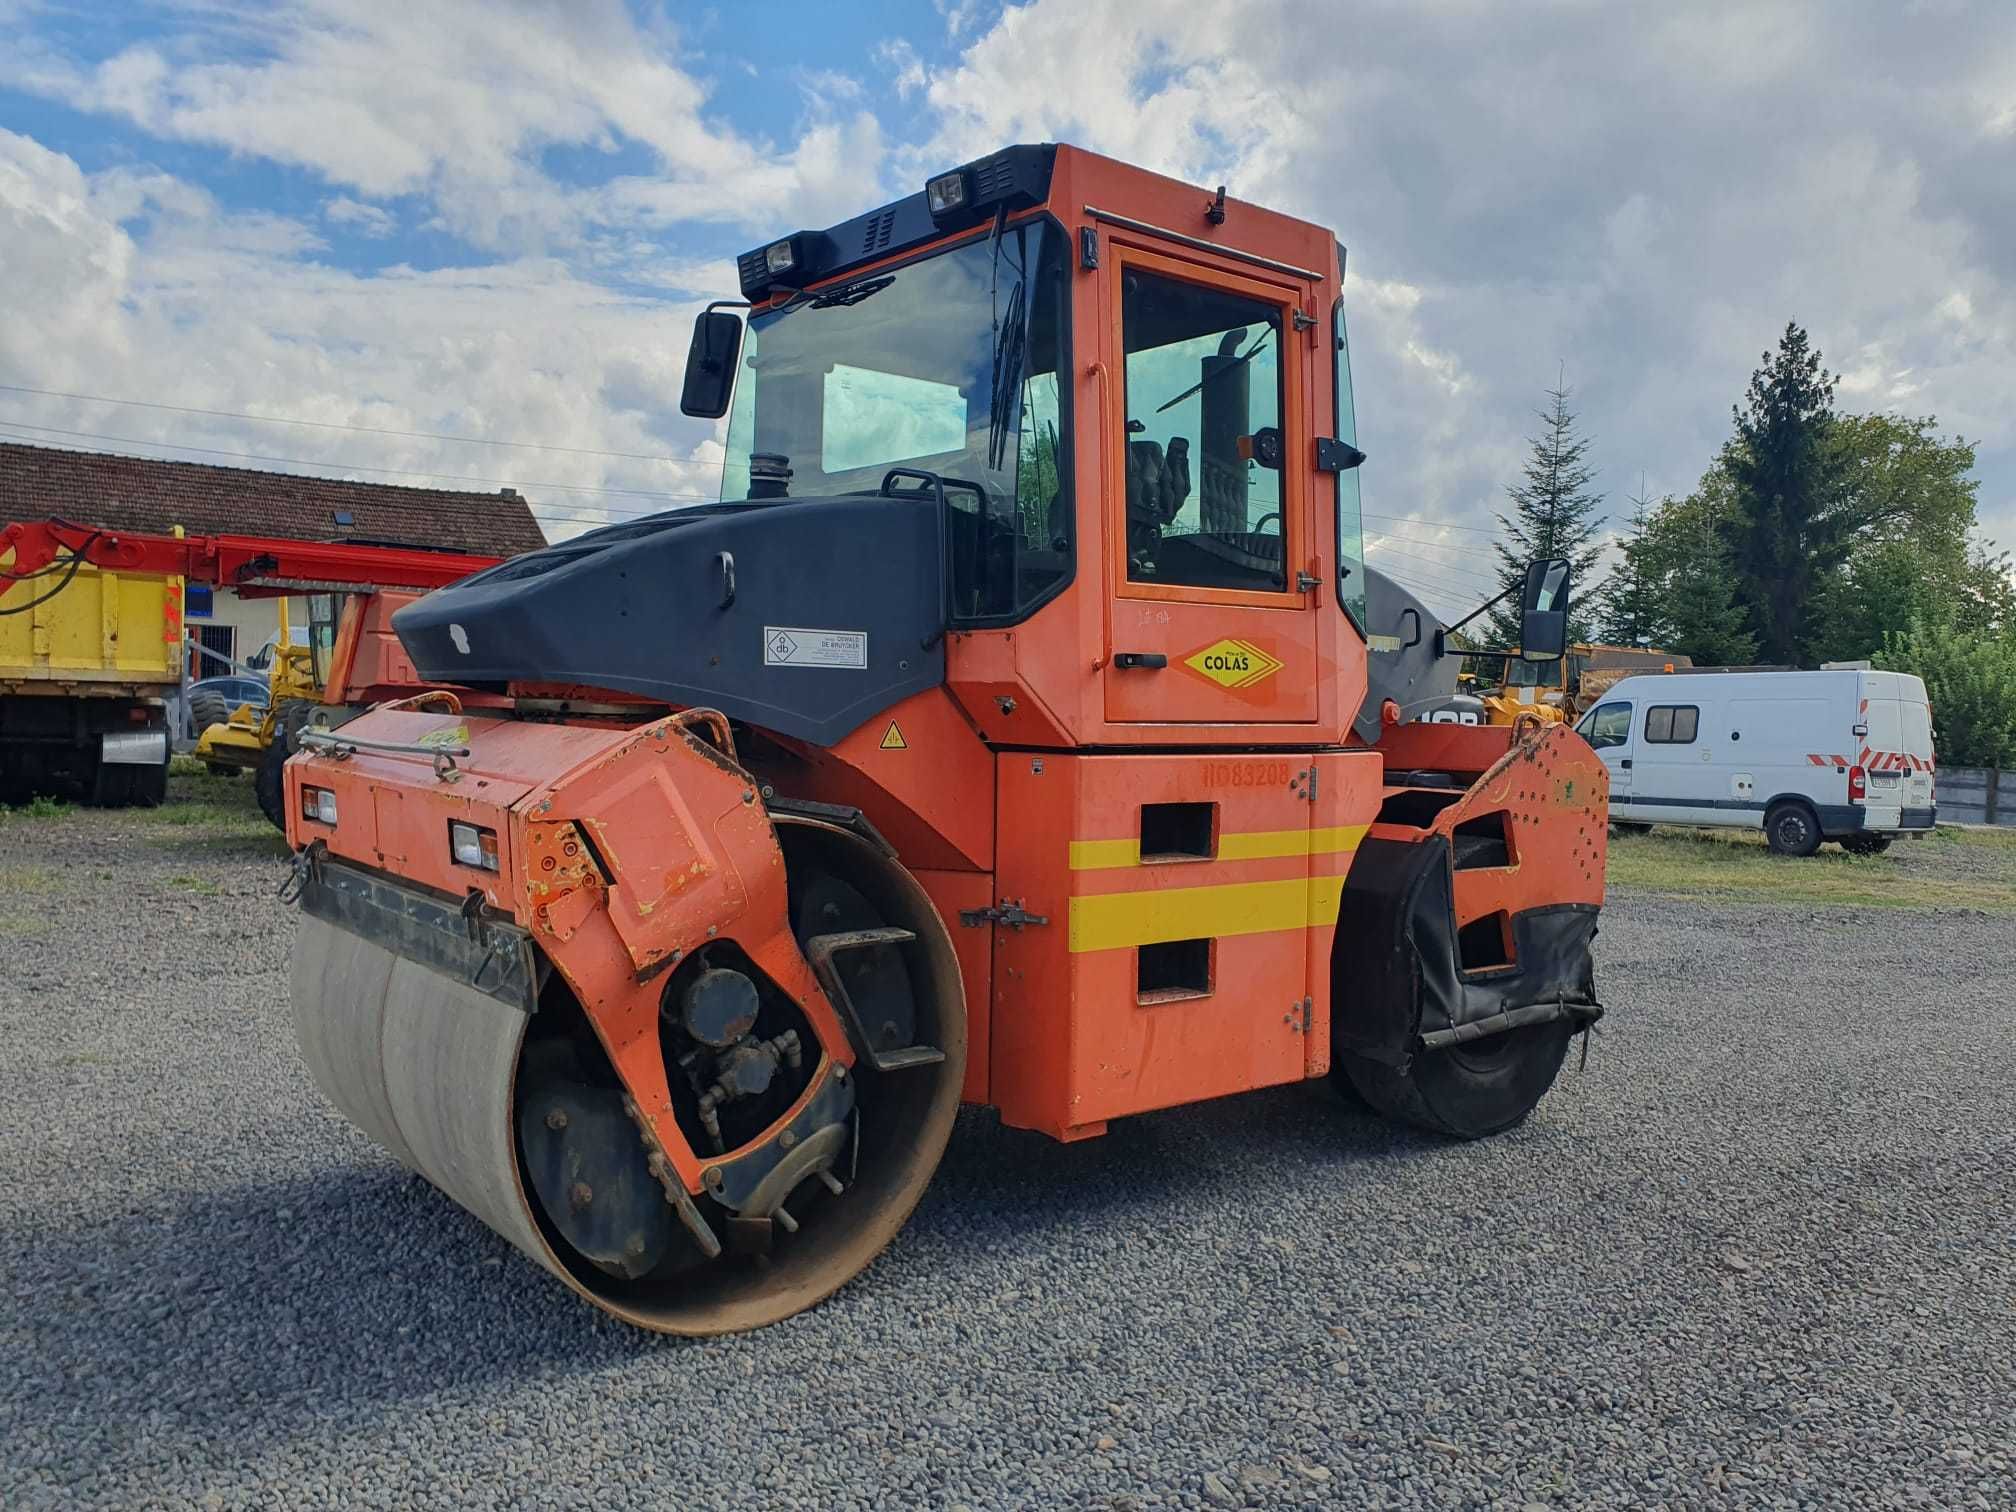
[1762, 1251]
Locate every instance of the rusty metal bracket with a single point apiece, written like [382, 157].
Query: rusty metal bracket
[1008, 913]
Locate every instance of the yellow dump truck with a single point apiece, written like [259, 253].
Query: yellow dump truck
[1560, 690]
[87, 661]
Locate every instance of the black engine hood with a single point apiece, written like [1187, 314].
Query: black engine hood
[803, 616]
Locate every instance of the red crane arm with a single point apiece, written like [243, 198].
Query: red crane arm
[46, 549]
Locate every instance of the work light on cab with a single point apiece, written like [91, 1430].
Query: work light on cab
[945, 194]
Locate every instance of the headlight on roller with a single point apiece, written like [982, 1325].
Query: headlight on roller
[318, 804]
[472, 845]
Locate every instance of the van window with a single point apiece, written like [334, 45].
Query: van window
[1672, 724]
[1917, 729]
[1606, 725]
[1886, 727]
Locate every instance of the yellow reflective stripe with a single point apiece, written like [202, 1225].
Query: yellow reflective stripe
[1253, 845]
[1098, 855]
[1110, 921]
[1261, 844]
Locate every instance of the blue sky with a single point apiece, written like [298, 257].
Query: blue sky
[494, 220]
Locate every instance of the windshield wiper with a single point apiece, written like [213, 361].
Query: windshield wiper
[1010, 337]
[852, 294]
[1008, 349]
[1245, 357]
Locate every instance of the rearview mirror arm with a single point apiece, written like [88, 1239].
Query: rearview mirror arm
[1443, 632]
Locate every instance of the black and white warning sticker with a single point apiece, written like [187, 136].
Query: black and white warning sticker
[796, 646]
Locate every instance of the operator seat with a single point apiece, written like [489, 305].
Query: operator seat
[1158, 483]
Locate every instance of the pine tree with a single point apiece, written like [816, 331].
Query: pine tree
[1789, 531]
[1553, 515]
[1630, 597]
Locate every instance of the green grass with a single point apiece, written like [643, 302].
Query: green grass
[16, 880]
[41, 806]
[1949, 869]
[201, 886]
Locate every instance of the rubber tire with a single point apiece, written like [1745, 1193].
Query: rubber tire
[1472, 1092]
[206, 709]
[1866, 845]
[1792, 829]
[1630, 827]
[1479, 1089]
[269, 781]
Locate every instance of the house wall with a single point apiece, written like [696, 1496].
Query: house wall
[256, 620]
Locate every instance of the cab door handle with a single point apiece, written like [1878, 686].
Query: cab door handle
[1149, 659]
[1625, 763]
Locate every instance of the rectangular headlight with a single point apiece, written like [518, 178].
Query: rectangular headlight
[318, 804]
[472, 845]
[946, 193]
[780, 257]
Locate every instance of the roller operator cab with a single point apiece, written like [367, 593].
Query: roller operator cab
[1006, 734]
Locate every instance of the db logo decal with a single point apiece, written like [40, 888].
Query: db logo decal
[1233, 664]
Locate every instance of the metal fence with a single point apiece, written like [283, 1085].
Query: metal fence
[1977, 795]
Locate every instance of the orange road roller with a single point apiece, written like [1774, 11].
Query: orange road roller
[1023, 727]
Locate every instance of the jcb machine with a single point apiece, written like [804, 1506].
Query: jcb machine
[1006, 734]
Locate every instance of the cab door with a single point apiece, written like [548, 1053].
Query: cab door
[1210, 537]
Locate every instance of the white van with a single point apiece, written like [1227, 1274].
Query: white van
[1810, 756]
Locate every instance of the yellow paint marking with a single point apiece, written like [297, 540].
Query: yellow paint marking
[892, 739]
[1252, 845]
[1112, 921]
[1098, 855]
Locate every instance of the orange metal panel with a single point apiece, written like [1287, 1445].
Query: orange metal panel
[951, 893]
[1076, 1038]
[919, 771]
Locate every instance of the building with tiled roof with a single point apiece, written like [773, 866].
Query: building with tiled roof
[143, 493]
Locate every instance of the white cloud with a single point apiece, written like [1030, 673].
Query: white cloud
[139, 286]
[455, 101]
[1645, 200]
[369, 220]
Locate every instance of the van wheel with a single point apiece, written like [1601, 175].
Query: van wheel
[1866, 845]
[1630, 827]
[1793, 829]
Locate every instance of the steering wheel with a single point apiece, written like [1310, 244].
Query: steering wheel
[1275, 517]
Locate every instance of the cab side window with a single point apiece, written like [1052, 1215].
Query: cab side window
[1203, 388]
[1607, 725]
[1671, 724]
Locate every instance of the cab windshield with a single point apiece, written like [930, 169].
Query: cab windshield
[948, 365]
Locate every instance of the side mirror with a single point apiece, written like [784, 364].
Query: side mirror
[710, 365]
[1543, 618]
